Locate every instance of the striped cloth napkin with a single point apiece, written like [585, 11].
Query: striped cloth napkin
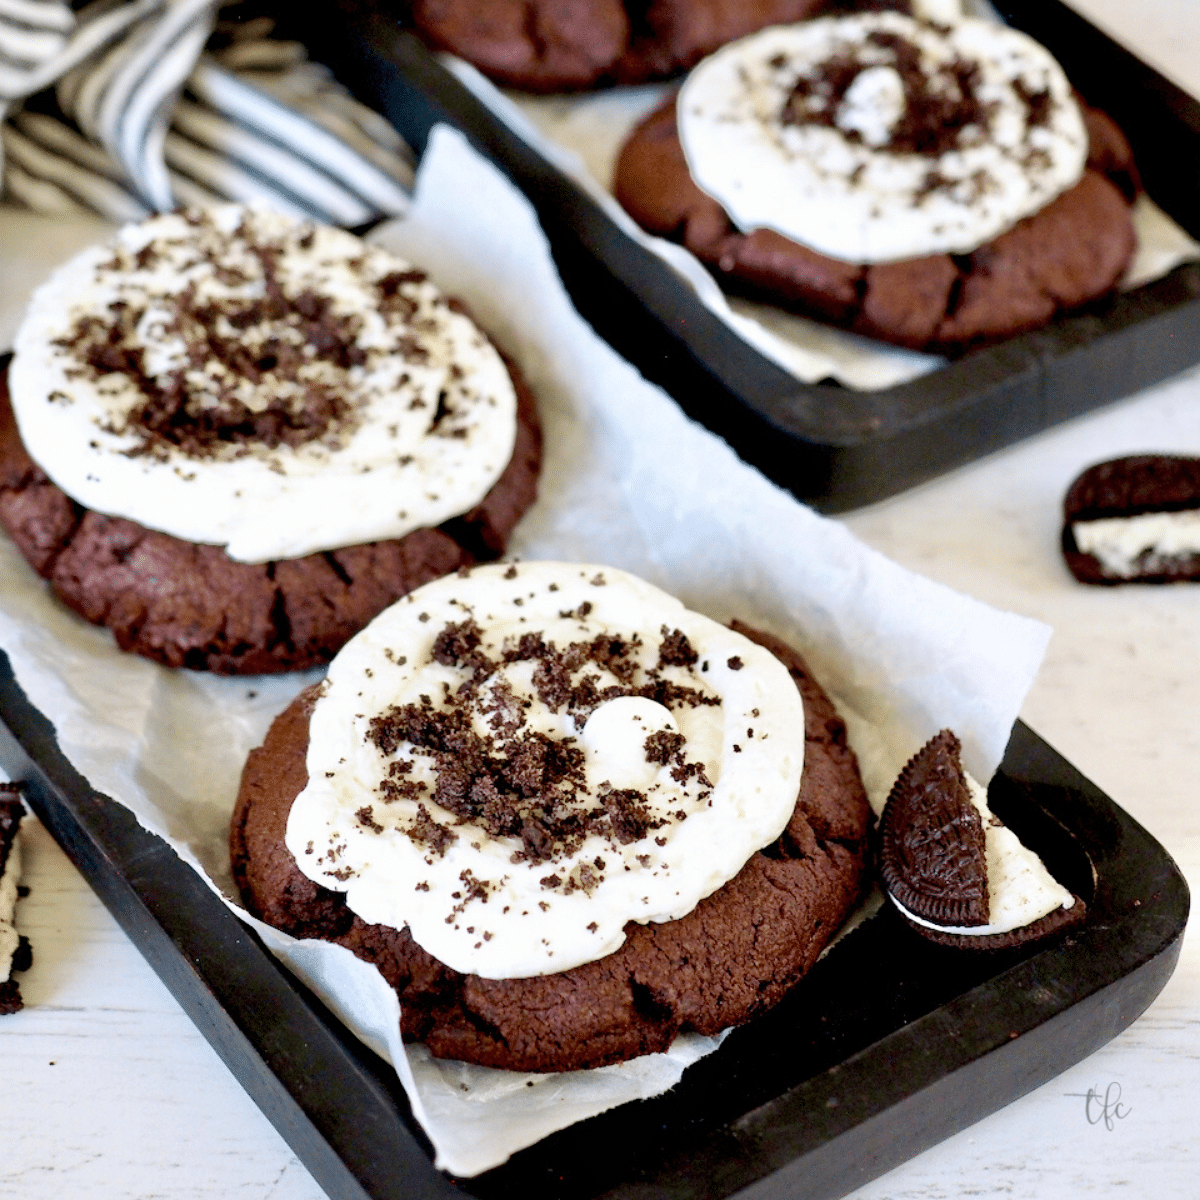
[125, 107]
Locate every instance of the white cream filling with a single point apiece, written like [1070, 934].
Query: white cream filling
[832, 186]
[9, 938]
[1020, 889]
[473, 907]
[431, 417]
[1128, 546]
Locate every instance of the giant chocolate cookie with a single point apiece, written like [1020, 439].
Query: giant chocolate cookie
[731, 957]
[556, 45]
[1074, 251]
[189, 605]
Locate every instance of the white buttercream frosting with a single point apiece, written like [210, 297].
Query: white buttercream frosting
[941, 12]
[1020, 889]
[1139, 545]
[9, 938]
[876, 137]
[517, 761]
[244, 379]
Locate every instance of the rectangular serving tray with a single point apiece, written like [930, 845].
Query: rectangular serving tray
[833, 447]
[887, 1047]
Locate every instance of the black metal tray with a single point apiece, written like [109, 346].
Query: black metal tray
[833, 447]
[890, 1045]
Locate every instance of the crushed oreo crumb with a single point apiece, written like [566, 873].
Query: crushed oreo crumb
[664, 746]
[517, 782]
[675, 650]
[429, 834]
[265, 361]
[942, 112]
[366, 817]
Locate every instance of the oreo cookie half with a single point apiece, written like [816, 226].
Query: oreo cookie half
[1134, 520]
[957, 874]
[15, 953]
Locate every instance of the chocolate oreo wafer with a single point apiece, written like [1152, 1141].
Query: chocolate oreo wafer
[958, 876]
[934, 855]
[15, 954]
[1134, 520]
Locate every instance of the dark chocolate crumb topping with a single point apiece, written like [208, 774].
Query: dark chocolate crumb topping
[366, 817]
[520, 783]
[676, 650]
[426, 832]
[664, 746]
[1037, 104]
[941, 107]
[265, 367]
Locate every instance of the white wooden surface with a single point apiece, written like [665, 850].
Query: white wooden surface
[108, 1091]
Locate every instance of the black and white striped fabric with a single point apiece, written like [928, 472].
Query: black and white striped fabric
[142, 118]
[32, 33]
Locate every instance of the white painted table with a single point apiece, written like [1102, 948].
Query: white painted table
[109, 1091]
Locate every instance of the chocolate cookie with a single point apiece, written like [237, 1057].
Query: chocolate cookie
[1073, 251]
[934, 857]
[734, 955]
[189, 605]
[562, 45]
[15, 952]
[1124, 490]
[933, 854]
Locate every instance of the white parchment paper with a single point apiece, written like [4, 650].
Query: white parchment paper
[628, 481]
[582, 135]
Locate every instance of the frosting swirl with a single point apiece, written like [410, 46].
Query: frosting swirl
[241, 378]
[877, 137]
[517, 761]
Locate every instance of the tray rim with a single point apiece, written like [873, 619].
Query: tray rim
[834, 447]
[354, 1132]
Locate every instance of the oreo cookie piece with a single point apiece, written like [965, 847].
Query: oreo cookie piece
[734, 955]
[957, 874]
[934, 855]
[1070, 253]
[1134, 520]
[15, 952]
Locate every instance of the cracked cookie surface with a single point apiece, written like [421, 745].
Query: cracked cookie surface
[190, 605]
[561, 45]
[734, 955]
